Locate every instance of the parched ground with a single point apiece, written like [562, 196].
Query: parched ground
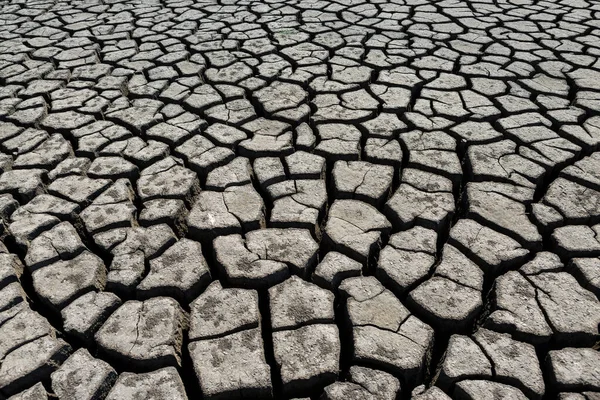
[324, 199]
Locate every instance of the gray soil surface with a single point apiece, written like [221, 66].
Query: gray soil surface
[300, 199]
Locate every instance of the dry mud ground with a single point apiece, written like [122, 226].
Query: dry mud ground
[300, 199]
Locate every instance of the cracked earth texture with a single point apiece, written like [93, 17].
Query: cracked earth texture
[300, 199]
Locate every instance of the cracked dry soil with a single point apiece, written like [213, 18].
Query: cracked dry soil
[300, 199]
